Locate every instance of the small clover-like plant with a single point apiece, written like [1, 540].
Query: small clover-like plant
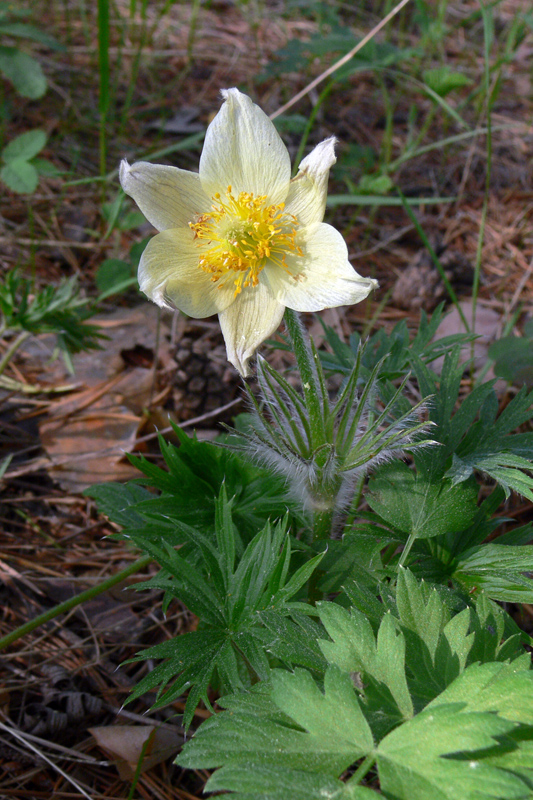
[21, 167]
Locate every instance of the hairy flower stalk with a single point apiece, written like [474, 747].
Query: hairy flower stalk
[241, 239]
[324, 446]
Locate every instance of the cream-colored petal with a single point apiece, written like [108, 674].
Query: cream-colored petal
[170, 276]
[167, 196]
[323, 276]
[242, 149]
[307, 195]
[252, 318]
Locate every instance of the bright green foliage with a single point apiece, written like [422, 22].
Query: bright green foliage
[468, 733]
[443, 531]
[420, 647]
[498, 570]
[242, 600]
[293, 724]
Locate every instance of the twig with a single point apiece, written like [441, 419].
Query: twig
[49, 761]
[340, 63]
[62, 608]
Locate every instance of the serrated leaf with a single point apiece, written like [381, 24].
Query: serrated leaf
[25, 146]
[333, 719]
[415, 505]
[333, 733]
[297, 580]
[380, 659]
[471, 742]
[195, 472]
[290, 642]
[505, 467]
[416, 761]
[23, 71]
[20, 176]
[274, 783]
[119, 501]
[190, 660]
[225, 535]
[498, 571]
[505, 689]
[421, 612]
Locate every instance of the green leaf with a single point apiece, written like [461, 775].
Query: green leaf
[443, 80]
[513, 357]
[504, 467]
[20, 176]
[57, 309]
[333, 719]
[472, 742]
[375, 184]
[119, 501]
[421, 612]
[240, 593]
[498, 570]
[23, 71]
[113, 277]
[291, 641]
[381, 661]
[24, 31]
[190, 660]
[25, 146]
[275, 783]
[438, 755]
[328, 733]
[196, 470]
[504, 689]
[46, 168]
[415, 505]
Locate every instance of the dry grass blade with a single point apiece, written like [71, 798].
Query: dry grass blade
[340, 63]
[41, 755]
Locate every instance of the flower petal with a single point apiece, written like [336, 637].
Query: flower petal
[169, 274]
[242, 149]
[167, 196]
[323, 276]
[307, 195]
[252, 318]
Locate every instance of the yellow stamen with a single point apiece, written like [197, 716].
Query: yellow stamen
[241, 234]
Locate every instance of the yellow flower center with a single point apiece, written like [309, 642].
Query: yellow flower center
[242, 234]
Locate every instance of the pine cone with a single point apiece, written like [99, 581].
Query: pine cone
[204, 381]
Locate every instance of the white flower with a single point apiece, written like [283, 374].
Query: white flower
[241, 239]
